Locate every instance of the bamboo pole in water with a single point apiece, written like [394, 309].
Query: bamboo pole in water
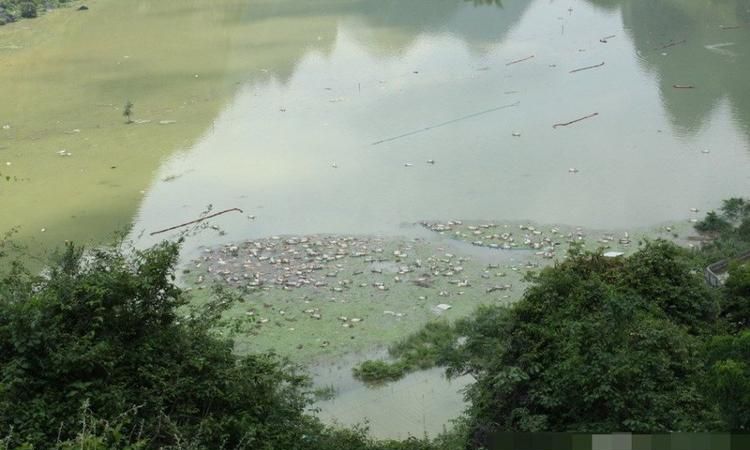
[195, 221]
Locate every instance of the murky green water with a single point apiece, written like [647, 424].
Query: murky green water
[269, 96]
[422, 403]
[321, 116]
[340, 144]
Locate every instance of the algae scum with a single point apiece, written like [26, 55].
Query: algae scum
[388, 156]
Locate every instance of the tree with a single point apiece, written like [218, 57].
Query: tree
[113, 332]
[735, 208]
[595, 345]
[713, 223]
[728, 378]
[104, 351]
[28, 10]
[736, 301]
[127, 111]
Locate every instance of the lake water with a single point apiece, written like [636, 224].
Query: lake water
[407, 82]
[321, 117]
[422, 403]
[267, 97]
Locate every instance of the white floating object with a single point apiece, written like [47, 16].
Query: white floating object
[613, 254]
[572, 170]
[335, 166]
[430, 161]
[6, 127]
[408, 164]
[8, 163]
[705, 151]
[516, 134]
[443, 307]
[695, 210]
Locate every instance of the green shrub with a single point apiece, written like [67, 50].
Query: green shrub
[28, 10]
[595, 345]
[713, 223]
[427, 347]
[376, 372]
[111, 330]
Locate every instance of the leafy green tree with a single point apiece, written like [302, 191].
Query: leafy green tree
[736, 301]
[728, 378]
[728, 230]
[28, 10]
[713, 223]
[670, 278]
[104, 351]
[111, 330]
[595, 345]
[735, 208]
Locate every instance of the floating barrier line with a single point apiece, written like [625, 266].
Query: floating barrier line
[520, 60]
[432, 127]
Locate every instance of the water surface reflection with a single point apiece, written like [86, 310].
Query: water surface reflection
[297, 151]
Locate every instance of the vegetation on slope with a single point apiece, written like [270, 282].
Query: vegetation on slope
[103, 349]
[599, 344]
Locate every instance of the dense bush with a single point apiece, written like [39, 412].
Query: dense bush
[28, 10]
[728, 379]
[431, 346]
[375, 371]
[106, 330]
[736, 298]
[728, 230]
[596, 345]
[103, 351]
[10, 10]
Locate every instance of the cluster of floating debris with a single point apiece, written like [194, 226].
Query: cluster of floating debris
[545, 243]
[336, 264]
[296, 262]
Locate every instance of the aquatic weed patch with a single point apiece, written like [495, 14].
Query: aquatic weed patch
[322, 296]
[329, 295]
